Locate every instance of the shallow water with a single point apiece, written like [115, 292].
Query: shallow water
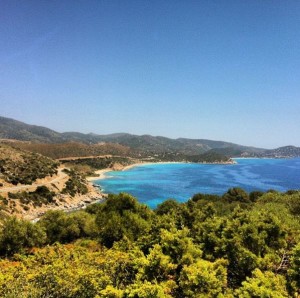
[154, 183]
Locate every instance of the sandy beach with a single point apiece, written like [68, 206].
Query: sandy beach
[101, 173]
[149, 163]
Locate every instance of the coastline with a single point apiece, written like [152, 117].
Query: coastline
[96, 194]
[262, 157]
[150, 163]
[102, 173]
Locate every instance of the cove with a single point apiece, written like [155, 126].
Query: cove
[152, 184]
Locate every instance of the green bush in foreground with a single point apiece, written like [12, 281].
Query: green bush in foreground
[210, 246]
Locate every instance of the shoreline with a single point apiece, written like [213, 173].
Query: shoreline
[102, 172]
[263, 157]
[150, 163]
[95, 193]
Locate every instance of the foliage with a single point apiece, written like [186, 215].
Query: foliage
[42, 195]
[294, 271]
[263, 284]
[236, 194]
[121, 216]
[96, 163]
[18, 166]
[75, 149]
[75, 185]
[121, 248]
[64, 228]
[209, 157]
[204, 277]
[16, 235]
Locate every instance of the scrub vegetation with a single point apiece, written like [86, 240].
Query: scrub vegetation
[19, 166]
[235, 245]
[42, 195]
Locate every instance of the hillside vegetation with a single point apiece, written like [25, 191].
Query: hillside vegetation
[120, 143]
[115, 152]
[19, 166]
[31, 183]
[145, 144]
[73, 149]
[235, 245]
[286, 151]
[13, 129]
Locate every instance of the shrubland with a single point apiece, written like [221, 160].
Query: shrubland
[42, 195]
[232, 245]
[76, 184]
[88, 166]
[19, 166]
[73, 149]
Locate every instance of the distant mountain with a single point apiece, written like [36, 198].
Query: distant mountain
[286, 151]
[145, 145]
[13, 129]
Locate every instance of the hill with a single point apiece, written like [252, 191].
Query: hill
[18, 166]
[145, 144]
[128, 144]
[31, 183]
[286, 151]
[13, 129]
[73, 149]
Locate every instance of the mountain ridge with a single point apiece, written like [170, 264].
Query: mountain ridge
[16, 130]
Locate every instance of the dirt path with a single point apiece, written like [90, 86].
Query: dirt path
[84, 157]
[31, 187]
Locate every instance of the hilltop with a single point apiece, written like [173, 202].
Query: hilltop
[13, 129]
[61, 145]
[286, 151]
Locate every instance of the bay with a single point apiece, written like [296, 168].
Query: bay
[152, 184]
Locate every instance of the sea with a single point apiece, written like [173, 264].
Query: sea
[152, 184]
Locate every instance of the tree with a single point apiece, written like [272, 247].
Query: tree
[167, 206]
[294, 271]
[122, 216]
[146, 290]
[64, 228]
[17, 235]
[263, 285]
[236, 194]
[203, 277]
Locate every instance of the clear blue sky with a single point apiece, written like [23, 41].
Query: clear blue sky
[222, 70]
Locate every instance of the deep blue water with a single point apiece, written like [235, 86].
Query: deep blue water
[152, 184]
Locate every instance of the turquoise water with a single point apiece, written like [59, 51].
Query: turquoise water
[154, 183]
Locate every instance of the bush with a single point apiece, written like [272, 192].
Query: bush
[42, 195]
[75, 184]
[16, 235]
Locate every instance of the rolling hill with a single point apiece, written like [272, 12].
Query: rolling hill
[13, 129]
[127, 144]
[19, 166]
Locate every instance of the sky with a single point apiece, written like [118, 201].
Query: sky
[220, 70]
